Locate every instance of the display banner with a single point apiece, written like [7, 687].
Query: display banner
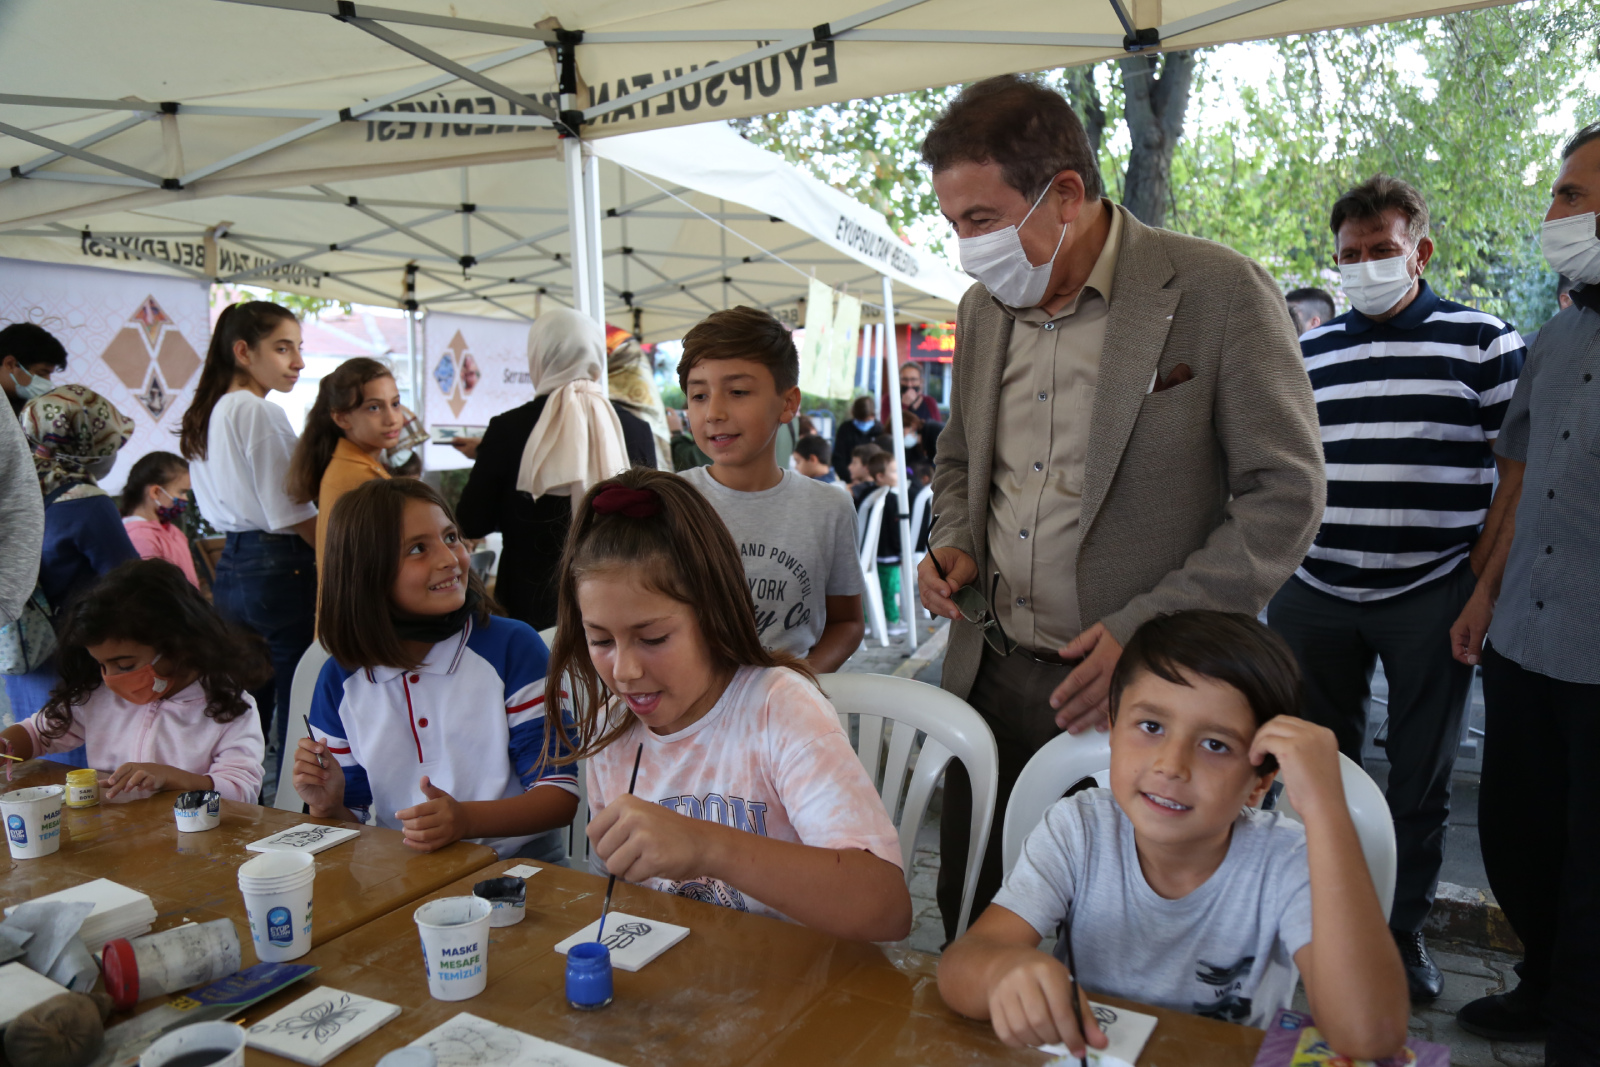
[473, 369]
[137, 339]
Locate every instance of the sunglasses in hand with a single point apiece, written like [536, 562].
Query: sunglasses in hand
[976, 609]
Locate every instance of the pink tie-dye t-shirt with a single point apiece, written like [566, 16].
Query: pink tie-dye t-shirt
[770, 758]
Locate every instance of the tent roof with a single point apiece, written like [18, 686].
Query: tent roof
[664, 194]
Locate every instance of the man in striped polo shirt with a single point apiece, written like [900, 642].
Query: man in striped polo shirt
[1410, 392]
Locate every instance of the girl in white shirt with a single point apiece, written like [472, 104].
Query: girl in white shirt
[238, 445]
[749, 794]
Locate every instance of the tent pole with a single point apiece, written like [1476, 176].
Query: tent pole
[577, 228]
[596, 254]
[908, 572]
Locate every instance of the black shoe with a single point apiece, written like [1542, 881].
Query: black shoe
[1422, 974]
[1512, 1016]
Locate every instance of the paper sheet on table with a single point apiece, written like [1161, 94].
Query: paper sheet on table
[53, 949]
[1126, 1033]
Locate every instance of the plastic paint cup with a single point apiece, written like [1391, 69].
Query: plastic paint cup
[198, 810]
[201, 1044]
[33, 820]
[507, 896]
[455, 946]
[277, 900]
[83, 788]
[589, 976]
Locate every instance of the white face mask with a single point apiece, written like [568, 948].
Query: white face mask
[1571, 247]
[37, 386]
[911, 440]
[1376, 285]
[999, 262]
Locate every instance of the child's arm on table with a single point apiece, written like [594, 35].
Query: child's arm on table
[841, 634]
[848, 893]
[1352, 971]
[995, 971]
[442, 820]
[156, 777]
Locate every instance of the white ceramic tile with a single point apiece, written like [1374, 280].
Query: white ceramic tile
[319, 1026]
[468, 1041]
[633, 941]
[522, 870]
[21, 988]
[1126, 1032]
[308, 837]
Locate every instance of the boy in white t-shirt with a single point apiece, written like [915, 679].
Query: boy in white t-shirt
[1172, 888]
[796, 537]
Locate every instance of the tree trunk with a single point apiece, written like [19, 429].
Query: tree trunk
[1085, 98]
[1154, 105]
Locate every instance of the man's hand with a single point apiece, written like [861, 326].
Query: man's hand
[318, 779]
[1084, 698]
[935, 591]
[438, 821]
[1308, 760]
[639, 840]
[1031, 1005]
[467, 446]
[1466, 635]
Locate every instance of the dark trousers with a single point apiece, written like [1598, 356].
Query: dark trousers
[268, 583]
[1337, 643]
[1537, 822]
[1012, 693]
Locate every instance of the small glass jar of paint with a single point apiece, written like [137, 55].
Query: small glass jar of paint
[589, 976]
[83, 788]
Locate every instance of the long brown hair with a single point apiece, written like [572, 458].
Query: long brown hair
[250, 322]
[684, 551]
[360, 560]
[338, 393]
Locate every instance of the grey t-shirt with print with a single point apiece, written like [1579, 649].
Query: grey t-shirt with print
[1225, 951]
[798, 544]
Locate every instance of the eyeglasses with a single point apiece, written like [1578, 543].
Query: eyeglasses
[975, 607]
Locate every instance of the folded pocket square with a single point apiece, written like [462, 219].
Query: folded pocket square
[1180, 374]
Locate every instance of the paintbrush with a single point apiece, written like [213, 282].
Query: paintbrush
[1077, 1004]
[307, 718]
[7, 755]
[611, 884]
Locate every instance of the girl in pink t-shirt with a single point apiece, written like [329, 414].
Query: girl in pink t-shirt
[153, 683]
[749, 794]
[153, 500]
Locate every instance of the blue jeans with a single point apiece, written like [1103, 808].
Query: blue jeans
[268, 583]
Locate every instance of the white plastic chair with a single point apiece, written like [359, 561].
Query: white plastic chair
[578, 838]
[919, 510]
[1067, 759]
[869, 522]
[301, 691]
[950, 729]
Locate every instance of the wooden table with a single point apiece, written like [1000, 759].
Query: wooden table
[739, 990]
[195, 876]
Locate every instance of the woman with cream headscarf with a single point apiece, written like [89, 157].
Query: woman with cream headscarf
[75, 434]
[535, 462]
[633, 387]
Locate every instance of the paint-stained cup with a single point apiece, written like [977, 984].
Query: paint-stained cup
[33, 820]
[200, 809]
[455, 946]
[277, 901]
[205, 1044]
[507, 896]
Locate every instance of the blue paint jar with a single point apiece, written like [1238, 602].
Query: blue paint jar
[589, 976]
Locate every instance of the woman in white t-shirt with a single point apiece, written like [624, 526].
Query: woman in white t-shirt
[238, 445]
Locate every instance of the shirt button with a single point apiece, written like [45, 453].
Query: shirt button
[1564, 433]
[1023, 534]
[1049, 325]
[1043, 396]
[1022, 601]
[415, 678]
[1038, 466]
[422, 722]
[1539, 604]
[1550, 493]
[1586, 377]
[1549, 549]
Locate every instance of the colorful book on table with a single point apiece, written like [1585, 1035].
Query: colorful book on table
[1293, 1040]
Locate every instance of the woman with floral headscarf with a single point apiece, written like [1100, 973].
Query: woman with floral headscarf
[75, 434]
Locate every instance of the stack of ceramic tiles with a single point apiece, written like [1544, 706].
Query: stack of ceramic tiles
[118, 911]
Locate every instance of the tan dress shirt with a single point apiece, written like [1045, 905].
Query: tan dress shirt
[1046, 398]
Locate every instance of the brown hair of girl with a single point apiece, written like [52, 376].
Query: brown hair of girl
[251, 322]
[360, 560]
[338, 393]
[683, 551]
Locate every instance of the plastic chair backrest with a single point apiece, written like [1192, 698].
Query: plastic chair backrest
[905, 777]
[919, 510]
[481, 561]
[1067, 759]
[577, 840]
[301, 691]
[822, 422]
[869, 521]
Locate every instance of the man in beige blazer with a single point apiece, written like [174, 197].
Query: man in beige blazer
[1131, 432]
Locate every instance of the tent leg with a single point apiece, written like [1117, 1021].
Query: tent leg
[595, 255]
[908, 571]
[577, 227]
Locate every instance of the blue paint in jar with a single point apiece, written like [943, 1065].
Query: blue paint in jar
[589, 976]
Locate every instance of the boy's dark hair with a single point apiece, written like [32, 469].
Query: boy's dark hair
[31, 344]
[1319, 301]
[923, 472]
[1378, 194]
[742, 333]
[885, 442]
[878, 462]
[815, 447]
[1224, 646]
[865, 452]
[1027, 128]
[361, 557]
[153, 468]
[910, 419]
[151, 601]
[861, 409]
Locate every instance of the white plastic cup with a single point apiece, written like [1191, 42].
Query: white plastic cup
[277, 900]
[455, 946]
[227, 1039]
[198, 810]
[33, 820]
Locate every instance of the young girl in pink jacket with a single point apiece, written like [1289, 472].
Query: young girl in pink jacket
[153, 681]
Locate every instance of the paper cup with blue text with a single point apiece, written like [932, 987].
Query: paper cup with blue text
[198, 810]
[216, 1044]
[277, 901]
[455, 946]
[33, 820]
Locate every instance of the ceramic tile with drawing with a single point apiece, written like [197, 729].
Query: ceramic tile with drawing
[319, 1025]
[633, 941]
[308, 837]
[468, 1041]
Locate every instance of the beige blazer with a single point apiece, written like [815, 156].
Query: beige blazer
[1205, 494]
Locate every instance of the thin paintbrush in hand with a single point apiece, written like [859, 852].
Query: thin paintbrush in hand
[1077, 1005]
[611, 884]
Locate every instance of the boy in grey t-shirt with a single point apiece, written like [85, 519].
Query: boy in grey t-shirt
[796, 537]
[1172, 889]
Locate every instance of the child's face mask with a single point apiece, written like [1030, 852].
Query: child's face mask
[142, 685]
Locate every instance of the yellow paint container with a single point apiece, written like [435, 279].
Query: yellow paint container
[83, 788]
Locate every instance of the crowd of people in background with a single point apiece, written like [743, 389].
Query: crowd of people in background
[1149, 446]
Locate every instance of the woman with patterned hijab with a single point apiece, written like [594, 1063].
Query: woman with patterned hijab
[75, 434]
[633, 386]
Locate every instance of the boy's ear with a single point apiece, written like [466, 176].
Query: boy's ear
[1258, 791]
[791, 404]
